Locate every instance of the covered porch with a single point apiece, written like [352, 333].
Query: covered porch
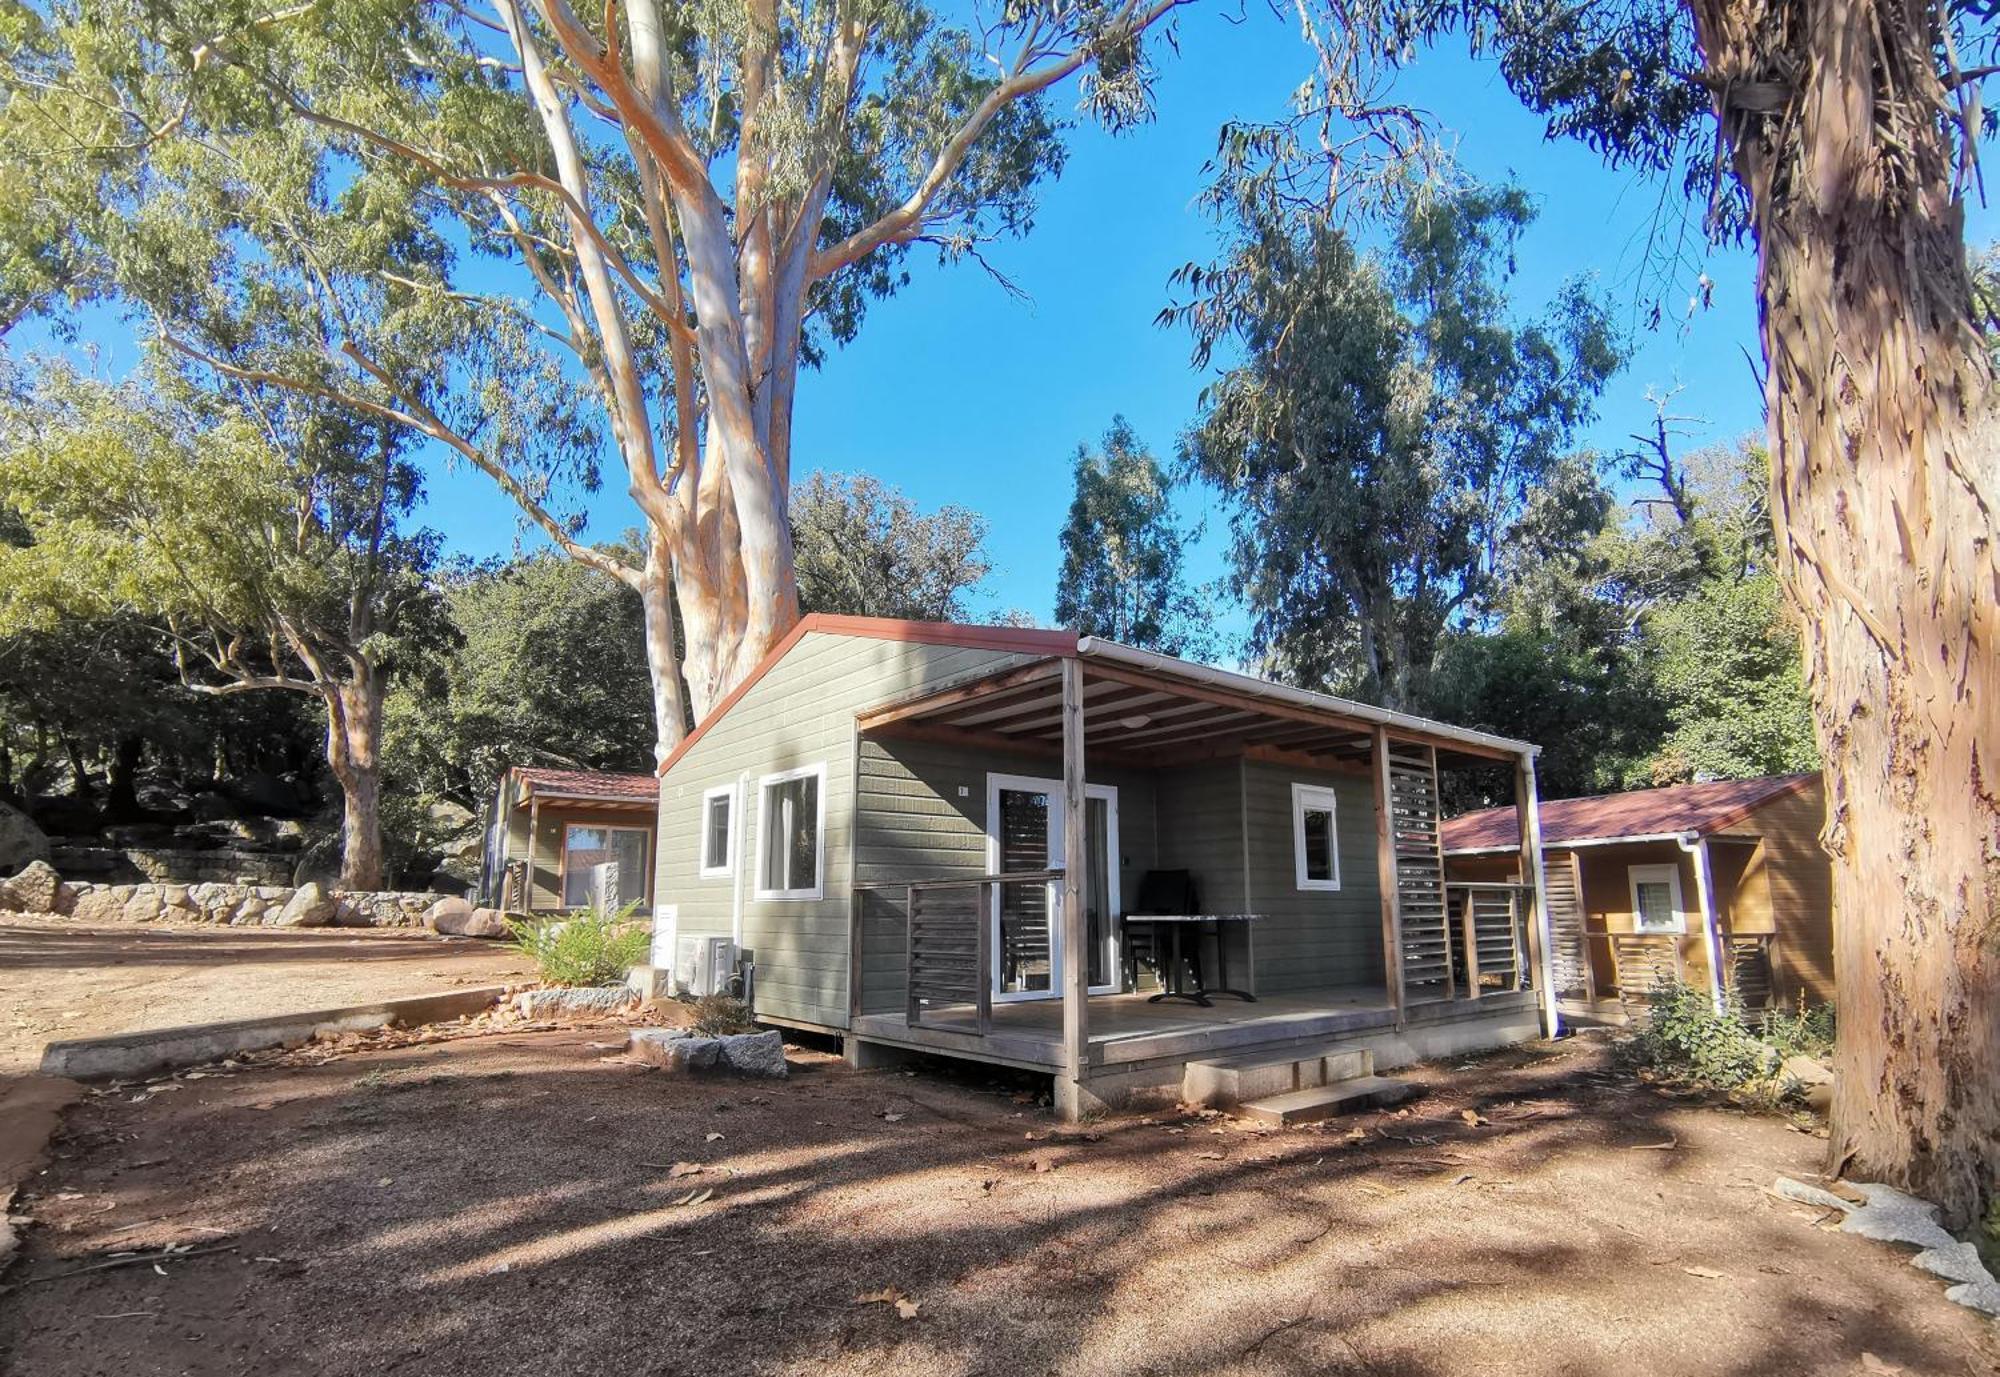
[1335, 922]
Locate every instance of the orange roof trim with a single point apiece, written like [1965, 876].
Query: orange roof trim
[1012, 640]
[587, 784]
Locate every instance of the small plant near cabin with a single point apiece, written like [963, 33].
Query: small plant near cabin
[720, 1015]
[1684, 1036]
[593, 946]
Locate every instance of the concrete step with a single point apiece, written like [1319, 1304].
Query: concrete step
[1324, 1101]
[1224, 1081]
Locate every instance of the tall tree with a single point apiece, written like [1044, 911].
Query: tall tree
[1390, 418]
[262, 541]
[697, 199]
[1124, 552]
[864, 549]
[1839, 136]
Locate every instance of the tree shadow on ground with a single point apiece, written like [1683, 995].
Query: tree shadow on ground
[528, 1203]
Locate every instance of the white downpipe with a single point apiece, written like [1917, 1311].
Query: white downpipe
[1697, 847]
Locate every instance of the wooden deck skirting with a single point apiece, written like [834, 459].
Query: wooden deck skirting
[1131, 1033]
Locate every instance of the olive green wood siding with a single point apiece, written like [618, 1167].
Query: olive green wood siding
[1312, 939]
[801, 712]
[913, 823]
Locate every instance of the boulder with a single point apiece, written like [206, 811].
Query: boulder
[760, 1055]
[142, 903]
[448, 916]
[34, 890]
[309, 907]
[1807, 1071]
[98, 905]
[755, 1054]
[587, 1002]
[20, 840]
[488, 922]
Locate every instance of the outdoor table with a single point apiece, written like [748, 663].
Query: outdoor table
[1172, 976]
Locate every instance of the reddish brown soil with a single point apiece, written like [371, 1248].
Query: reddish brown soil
[62, 980]
[513, 1204]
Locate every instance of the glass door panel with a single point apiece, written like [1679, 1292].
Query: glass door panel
[1025, 948]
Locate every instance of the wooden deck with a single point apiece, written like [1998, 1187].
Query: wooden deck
[1126, 1029]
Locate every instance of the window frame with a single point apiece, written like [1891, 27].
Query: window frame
[1657, 873]
[729, 840]
[1315, 798]
[563, 871]
[817, 890]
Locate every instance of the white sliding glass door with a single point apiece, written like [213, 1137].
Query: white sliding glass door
[1024, 832]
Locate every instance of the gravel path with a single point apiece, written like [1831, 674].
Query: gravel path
[532, 1203]
[62, 980]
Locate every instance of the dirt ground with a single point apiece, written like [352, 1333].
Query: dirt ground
[531, 1203]
[61, 980]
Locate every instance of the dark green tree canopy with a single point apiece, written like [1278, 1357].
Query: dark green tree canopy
[1124, 553]
[864, 549]
[1380, 440]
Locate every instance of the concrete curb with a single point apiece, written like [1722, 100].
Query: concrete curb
[162, 1049]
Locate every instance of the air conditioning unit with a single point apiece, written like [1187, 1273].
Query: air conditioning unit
[704, 965]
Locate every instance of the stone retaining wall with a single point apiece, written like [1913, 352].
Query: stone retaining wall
[135, 865]
[242, 905]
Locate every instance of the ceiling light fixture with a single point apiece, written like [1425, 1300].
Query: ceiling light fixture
[1135, 721]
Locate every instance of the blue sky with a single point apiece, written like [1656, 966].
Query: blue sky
[957, 392]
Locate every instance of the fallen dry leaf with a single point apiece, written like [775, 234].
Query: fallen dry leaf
[888, 1118]
[1871, 1363]
[1708, 1273]
[907, 1309]
[1212, 1156]
[888, 1295]
[1041, 1164]
[1473, 1117]
[694, 1197]
[714, 1138]
[679, 1169]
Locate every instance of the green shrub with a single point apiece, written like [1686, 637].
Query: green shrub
[589, 947]
[719, 1015]
[1684, 1036]
[1802, 1030]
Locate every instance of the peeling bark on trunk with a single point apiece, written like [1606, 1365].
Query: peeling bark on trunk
[1883, 491]
[353, 741]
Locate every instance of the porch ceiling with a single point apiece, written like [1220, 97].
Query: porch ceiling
[1132, 716]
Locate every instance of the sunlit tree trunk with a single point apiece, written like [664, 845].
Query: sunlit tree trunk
[1884, 494]
[353, 747]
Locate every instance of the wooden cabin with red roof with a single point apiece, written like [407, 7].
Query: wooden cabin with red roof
[566, 839]
[1720, 884]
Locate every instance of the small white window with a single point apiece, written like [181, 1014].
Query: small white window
[1656, 899]
[1315, 846]
[791, 834]
[718, 832]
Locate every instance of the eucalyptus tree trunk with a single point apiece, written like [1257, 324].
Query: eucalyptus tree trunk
[1884, 494]
[353, 750]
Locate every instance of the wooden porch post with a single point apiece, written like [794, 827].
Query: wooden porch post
[1075, 888]
[534, 835]
[1527, 809]
[1385, 877]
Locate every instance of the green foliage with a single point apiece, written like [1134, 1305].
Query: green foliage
[1683, 1036]
[1124, 553]
[592, 946]
[863, 549]
[1379, 443]
[548, 668]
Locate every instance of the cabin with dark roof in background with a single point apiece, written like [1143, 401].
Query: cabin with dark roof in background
[1721, 885]
[558, 840]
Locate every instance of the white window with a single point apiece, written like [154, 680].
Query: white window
[718, 832]
[1315, 847]
[605, 866]
[1656, 899]
[791, 834]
